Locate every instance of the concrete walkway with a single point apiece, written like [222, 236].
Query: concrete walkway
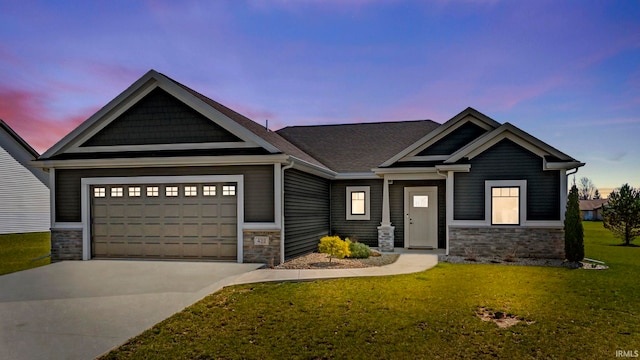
[83, 309]
[408, 262]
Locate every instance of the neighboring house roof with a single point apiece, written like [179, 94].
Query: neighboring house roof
[357, 147]
[21, 151]
[594, 204]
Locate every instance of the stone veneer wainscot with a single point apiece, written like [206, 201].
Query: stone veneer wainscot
[497, 241]
[66, 245]
[268, 254]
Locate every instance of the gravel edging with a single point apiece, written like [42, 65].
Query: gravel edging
[517, 261]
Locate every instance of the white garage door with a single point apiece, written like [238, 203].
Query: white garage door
[166, 221]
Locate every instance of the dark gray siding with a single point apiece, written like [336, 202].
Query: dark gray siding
[306, 212]
[396, 206]
[455, 140]
[507, 161]
[365, 231]
[258, 187]
[160, 118]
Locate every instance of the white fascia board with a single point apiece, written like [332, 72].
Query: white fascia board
[144, 82]
[455, 167]
[356, 176]
[562, 165]
[314, 169]
[425, 158]
[383, 171]
[165, 162]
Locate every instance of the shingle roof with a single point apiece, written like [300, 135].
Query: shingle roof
[356, 147]
[271, 137]
[587, 205]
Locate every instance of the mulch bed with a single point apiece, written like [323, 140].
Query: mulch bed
[321, 261]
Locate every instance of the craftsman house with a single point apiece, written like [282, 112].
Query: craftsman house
[165, 172]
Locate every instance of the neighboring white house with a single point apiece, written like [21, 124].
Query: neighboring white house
[24, 189]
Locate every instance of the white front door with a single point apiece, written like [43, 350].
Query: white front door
[421, 217]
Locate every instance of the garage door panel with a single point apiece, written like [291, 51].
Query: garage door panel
[148, 225]
[152, 211]
[191, 211]
[172, 210]
[210, 210]
[100, 210]
[228, 230]
[134, 211]
[228, 210]
[172, 230]
[116, 211]
[190, 230]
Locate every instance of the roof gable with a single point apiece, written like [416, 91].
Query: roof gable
[160, 118]
[21, 151]
[446, 139]
[77, 141]
[521, 138]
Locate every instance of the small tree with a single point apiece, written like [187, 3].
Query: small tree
[334, 247]
[573, 231]
[622, 214]
[596, 195]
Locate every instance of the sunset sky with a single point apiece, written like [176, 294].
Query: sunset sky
[567, 72]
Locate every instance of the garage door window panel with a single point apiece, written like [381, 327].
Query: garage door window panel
[171, 191]
[153, 191]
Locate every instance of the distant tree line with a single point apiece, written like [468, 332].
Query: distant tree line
[586, 189]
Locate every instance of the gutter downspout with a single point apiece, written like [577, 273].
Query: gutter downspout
[289, 166]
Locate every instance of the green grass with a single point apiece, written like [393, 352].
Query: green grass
[17, 251]
[586, 314]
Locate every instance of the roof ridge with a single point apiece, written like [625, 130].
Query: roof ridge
[361, 123]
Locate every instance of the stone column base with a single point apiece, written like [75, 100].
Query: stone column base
[386, 238]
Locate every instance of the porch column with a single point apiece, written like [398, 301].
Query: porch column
[385, 230]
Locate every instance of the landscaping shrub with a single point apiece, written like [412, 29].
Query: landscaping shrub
[358, 250]
[573, 231]
[334, 247]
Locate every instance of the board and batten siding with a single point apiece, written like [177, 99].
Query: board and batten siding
[507, 161]
[306, 212]
[24, 199]
[364, 231]
[258, 187]
[396, 207]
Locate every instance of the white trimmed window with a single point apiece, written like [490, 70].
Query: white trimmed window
[171, 191]
[99, 192]
[134, 191]
[153, 191]
[209, 190]
[506, 201]
[358, 203]
[190, 191]
[117, 192]
[228, 190]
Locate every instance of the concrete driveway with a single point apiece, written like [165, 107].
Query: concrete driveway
[82, 309]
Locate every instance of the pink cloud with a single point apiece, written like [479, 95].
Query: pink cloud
[28, 115]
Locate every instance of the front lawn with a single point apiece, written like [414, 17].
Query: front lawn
[18, 251]
[586, 314]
